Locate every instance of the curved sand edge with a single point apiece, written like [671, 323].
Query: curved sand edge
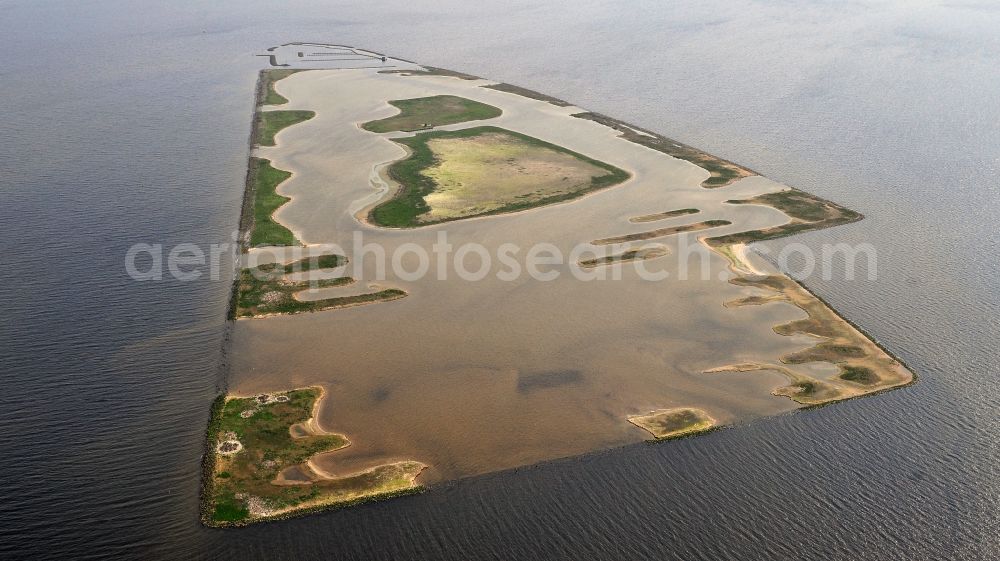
[864, 366]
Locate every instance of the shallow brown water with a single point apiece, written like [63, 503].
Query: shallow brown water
[478, 376]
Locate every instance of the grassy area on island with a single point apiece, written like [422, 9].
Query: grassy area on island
[665, 424]
[268, 78]
[259, 463]
[643, 254]
[263, 180]
[858, 375]
[312, 263]
[823, 352]
[807, 213]
[525, 92]
[270, 123]
[723, 172]
[450, 175]
[428, 112]
[662, 232]
[663, 215]
[266, 290]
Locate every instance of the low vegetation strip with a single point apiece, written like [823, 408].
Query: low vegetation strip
[630, 255]
[266, 290]
[268, 78]
[665, 424]
[662, 232]
[256, 443]
[807, 213]
[723, 172]
[428, 112]
[525, 92]
[315, 262]
[663, 215]
[270, 123]
[263, 181]
[450, 175]
[432, 71]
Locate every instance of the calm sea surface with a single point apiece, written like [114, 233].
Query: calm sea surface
[125, 123]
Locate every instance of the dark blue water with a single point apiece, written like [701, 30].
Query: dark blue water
[126, 123]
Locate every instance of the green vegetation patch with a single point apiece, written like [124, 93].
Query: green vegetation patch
[808, 212]
[799, 205]
[502, 173]
[859, 375]
[808, 391]
[806, 388]
[266, 290]
[270, 123]
[432, 71]
[428, 112]
[268, 78]
[258, 429]
[258, 465]
[328, 261]
[263, 180]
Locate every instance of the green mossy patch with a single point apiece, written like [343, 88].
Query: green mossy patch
[264, 180]
[428, 112]
[269, 78]
[270, 123]
[858, 375]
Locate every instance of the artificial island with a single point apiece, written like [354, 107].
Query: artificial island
[355, 380]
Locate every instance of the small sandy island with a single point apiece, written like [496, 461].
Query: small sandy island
[665, 424]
